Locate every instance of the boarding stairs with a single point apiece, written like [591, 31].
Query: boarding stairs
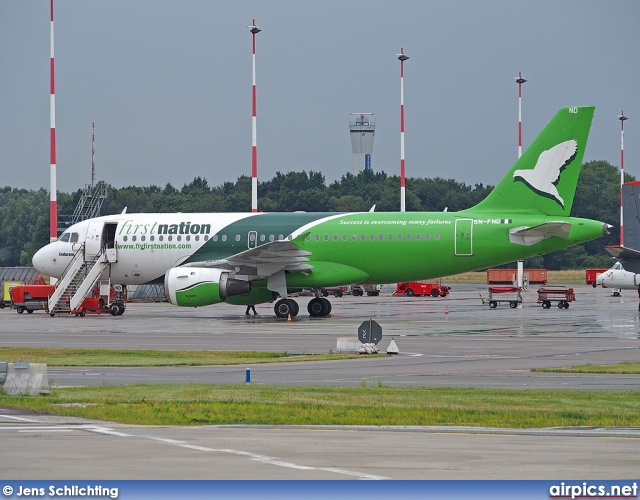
[78, 280]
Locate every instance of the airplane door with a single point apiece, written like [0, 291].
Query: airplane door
[100, 236]
[93, 241]
[463, 244]
[252, 239]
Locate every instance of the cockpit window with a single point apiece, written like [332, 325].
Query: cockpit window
[618, 267]
[64, 237]
[74, 238]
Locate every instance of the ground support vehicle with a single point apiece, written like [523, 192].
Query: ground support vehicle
[336, 291]
[498, 294]
[358, 290]
[417, 289]
[105, 299]
[560, 294]
[592, 274]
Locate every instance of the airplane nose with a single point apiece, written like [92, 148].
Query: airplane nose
[39, 260]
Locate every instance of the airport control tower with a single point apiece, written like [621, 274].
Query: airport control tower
[362, 127]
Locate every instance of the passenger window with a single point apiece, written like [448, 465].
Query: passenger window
[237, 237]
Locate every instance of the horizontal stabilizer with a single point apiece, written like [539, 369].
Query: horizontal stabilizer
[623, 253]
[528, 236]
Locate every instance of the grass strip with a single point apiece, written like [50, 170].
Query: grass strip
[121, 357]
[364, 405]
[621, 368]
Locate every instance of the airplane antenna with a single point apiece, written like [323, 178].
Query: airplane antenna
[402, 57]
[53, 201]
[254, 149]
[622, 117]
[93, 153]
[519, 80]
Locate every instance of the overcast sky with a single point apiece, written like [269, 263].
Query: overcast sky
[168, 84]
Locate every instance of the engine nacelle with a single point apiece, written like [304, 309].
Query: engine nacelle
[201, 286]
[619, 278]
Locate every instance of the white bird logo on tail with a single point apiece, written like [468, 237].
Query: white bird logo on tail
[545, 175]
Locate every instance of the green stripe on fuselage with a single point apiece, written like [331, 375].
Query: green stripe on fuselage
[234, 238]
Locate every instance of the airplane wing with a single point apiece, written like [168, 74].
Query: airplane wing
[528, 236]
[620, 252]
[262, 261]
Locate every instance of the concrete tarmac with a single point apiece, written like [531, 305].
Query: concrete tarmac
[455, 341]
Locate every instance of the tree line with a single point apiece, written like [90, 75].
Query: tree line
[24, 214]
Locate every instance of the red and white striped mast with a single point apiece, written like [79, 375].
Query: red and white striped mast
[402, 57]
[93, 154]
[53, 203]
[519, 80]
[254, 148]
[622, 118]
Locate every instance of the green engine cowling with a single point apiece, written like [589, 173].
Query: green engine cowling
[201, 286]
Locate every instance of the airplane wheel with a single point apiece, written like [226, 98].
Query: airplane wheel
[328, 306]
[318, 307]
[284, 307]
[114, 309]
[513, 304]
[120, 309]
[493, 304]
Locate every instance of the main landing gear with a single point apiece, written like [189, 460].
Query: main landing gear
[318, 307]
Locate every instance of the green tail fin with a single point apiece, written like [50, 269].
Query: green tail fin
[545, 177]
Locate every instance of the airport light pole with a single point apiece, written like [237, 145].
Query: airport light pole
[622, 117]
[402, 57]
[519, 80]
[254, 148]
[53, 195]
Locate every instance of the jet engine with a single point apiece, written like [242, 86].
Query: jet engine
[201, 286]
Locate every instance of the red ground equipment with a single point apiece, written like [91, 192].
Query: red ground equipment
[560, 294]
[592, 274]
[416, 289]
[510, 294]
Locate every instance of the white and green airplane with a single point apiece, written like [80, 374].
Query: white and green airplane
[253, 258]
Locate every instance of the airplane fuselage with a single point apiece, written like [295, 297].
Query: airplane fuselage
[345, 248]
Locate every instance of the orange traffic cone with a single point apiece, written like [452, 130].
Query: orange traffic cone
[289, 318]
[446, 309]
